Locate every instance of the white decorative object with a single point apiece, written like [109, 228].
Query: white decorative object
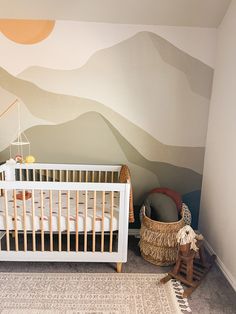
[21, 139]
[187, 235]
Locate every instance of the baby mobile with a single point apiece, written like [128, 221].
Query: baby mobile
[21, 144]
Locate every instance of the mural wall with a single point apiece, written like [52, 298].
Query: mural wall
[129, 98]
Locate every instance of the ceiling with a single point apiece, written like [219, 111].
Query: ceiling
[200, 13]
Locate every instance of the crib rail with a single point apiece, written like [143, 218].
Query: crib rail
[85, 233]
[66, 173]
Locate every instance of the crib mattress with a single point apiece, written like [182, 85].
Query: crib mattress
[62, 223]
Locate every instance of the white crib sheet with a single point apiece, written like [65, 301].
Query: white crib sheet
[64, 212]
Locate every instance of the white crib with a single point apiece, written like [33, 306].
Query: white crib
[63, 212]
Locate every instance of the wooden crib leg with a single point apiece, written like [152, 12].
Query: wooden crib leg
[119, 267]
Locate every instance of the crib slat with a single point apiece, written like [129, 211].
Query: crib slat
[33, 174]
[47, 175]
[86, 176]
[27, 174]
[50, 222]
[79, 176]
[92, 176]
[112, 177]
[68, 221]
[59, 219]
[94, 219]
[99, 176]
[85, 220]
[6, 219]
[105, 176]
[76, 176]
[77, 222]
[40, 175]
[103, 213]
[15, 221]
[20, 170]
[33, 221]
[42, 221]
[53, 175]
[24, 221]
[67, 176]
[111, 220]
[73, 176]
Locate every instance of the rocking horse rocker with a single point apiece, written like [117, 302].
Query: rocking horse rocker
[191, 264]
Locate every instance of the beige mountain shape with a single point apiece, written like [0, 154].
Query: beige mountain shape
[146, 79]
[92, 139]
[58, 108]
[86, 140]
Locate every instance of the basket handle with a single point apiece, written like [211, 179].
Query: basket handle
[142, 212]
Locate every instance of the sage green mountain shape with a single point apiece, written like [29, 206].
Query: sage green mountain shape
[87, 140]
[177, 178]
[57, 108]
[92, 139]
[147, 80]
[198, 74]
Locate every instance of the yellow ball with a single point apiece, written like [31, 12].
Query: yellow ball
[29, 159]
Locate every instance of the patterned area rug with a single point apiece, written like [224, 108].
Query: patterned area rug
[89, 294]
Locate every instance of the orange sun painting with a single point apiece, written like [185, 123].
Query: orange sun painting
[26, 32]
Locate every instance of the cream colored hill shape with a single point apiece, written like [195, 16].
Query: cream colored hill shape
[147, 80]
[58, 108]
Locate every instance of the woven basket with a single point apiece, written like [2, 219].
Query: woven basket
[158, 244]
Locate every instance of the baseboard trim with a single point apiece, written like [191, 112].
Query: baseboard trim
[221, 265]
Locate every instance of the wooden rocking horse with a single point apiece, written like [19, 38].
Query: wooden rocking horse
[191, 264]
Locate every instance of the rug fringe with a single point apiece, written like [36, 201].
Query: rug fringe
[182, 302]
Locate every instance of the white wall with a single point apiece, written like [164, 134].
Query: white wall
[218, 203]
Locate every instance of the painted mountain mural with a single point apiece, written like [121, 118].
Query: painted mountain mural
[147, 80]
[142, 102]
